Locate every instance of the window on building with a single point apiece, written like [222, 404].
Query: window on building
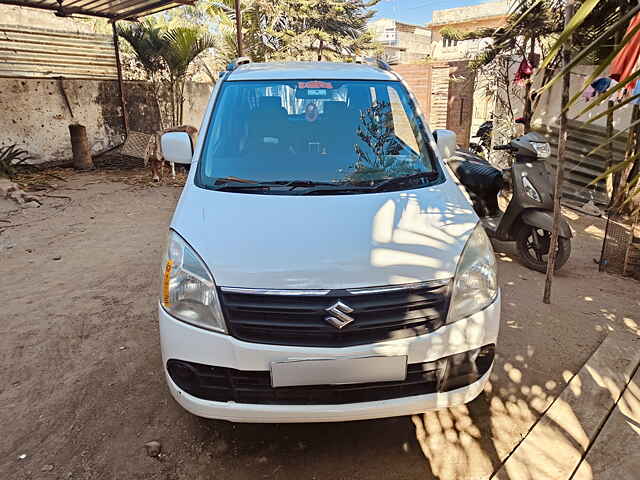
[449, 42]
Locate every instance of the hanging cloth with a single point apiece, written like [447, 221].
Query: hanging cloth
[636, 91]
[601, 84]
[589, 93]
[525, 70]
[624, 63]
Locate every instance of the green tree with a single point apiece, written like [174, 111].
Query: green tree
[147, 43]
[335, 29]
[183, 46]
[165, 55]
[296, 29]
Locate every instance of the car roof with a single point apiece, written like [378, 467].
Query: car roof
[309, 71]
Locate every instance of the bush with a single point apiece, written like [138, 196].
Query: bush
[10, 157]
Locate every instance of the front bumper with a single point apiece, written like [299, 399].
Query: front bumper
[185, 342]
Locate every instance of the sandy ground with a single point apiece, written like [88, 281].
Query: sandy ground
[81, 383]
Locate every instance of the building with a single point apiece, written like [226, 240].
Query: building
[402, 42]
[464, 19]
[461, 100]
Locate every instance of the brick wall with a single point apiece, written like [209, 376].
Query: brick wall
[445, 93]
[418, 77]
[459, 113]
[439, 95]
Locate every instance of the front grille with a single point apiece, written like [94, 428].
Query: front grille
[226, 384]
[299, 320]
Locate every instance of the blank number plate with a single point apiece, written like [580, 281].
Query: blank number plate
[338, 371]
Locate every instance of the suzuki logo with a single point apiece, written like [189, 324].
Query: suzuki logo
[340, 317]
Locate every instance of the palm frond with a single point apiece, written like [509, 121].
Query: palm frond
[584, 52]
[184, 44]
[578, 18]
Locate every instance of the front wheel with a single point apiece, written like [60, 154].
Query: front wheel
[534, 244]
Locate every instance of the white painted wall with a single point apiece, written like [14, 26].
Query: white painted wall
[548, 112]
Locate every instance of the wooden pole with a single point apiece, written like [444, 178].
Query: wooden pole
[123, 102]
[527, 114]
[562, 146]
[609, 162]
[621, 177]
[239, 28]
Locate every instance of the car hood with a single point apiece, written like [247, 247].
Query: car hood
[326, 241]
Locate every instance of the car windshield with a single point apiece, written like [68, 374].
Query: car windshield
[297, 135]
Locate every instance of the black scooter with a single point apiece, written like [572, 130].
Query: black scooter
[528, 218]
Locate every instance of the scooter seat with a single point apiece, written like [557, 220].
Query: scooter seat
[476, 175]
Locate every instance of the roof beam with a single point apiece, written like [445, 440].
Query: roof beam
[118, 10]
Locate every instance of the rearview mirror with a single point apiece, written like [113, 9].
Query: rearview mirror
[446, 141]
[176, 147]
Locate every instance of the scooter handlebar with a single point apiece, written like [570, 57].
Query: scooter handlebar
[502, 147]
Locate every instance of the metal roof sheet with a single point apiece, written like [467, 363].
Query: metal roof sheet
[112, 9]
[309, 71]
[38, 52]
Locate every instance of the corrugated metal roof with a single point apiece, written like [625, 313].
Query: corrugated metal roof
[37, 53]
[112, 9]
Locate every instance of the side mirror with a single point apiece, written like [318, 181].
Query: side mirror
[176, 147]
[446, 141]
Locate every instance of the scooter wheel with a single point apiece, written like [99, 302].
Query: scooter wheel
[533, 246]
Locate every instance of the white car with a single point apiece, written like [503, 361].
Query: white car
[322, 264]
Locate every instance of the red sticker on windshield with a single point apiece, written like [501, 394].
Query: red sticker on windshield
[315, 84]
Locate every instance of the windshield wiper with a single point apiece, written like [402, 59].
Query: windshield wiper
[307, 183]
[404, 179]
[231, 184]
[333, 188]
[235, 184]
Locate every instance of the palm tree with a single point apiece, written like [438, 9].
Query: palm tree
[167, 53]
[147, 42]
[183, 46]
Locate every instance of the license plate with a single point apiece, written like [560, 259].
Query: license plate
[338, 371]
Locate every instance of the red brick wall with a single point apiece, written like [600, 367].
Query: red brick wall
[418, 77]
[460, 103]
[439, 95]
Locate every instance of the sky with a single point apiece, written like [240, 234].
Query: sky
[417, 11]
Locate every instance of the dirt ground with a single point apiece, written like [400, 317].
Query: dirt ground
[81, 383]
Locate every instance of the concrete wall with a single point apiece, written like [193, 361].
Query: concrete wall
[465, 19]
[403, 42]
[548, 112]
[36, 117]
[470, 13]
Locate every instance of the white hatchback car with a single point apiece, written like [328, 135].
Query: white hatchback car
[322, 264]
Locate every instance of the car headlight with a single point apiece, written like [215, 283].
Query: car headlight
[543, 149]
[530, 190]
[475, 285]
[188, 291]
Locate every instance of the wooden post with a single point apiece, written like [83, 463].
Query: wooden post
[609, 163]
[620, 178]
[562, 146]
[239, 28]
[527, 113]
[123, 103]
[80, 147]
